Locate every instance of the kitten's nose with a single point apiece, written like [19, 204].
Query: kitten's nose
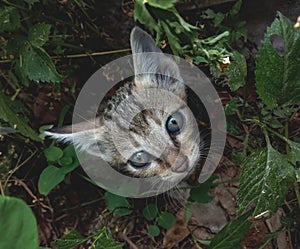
[181, 164]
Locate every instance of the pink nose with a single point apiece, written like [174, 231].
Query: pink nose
[180, 165]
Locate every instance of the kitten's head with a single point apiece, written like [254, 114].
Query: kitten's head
[161, 140]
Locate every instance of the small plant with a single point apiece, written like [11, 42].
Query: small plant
[161, 219]
[117, 204]
[101, 239]
[60, 163]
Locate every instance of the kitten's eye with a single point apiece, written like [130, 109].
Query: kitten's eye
[140, 159]
[175, 123]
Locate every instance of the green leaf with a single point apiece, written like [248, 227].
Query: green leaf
[70, 240]
[163, 4]
[49, 178]
[117, 204]
[232, 107]
[153, 230]
[9, 115]
[37, 64]
[18, 225]
[142, 15]
[9, 19]
[150, 212]
[235, 10]
[166, 220]
[278, 75]
[200, 193]
[265, 180]
[231, 235]
[294, 156]
[53, 153]
[275, 124]
[38, 34]
[69, 161]
[238, 71]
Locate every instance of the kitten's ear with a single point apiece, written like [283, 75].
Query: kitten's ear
[156, 63]
[85, 136]
[141, 42]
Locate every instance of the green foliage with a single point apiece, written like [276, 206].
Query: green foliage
[117, 204]
[266, 178]
[11, 116]
[153, 230]
[10, 18]
[231, 235]
[228, 22]
[18, 225]
[52, 175]
[150, 212]
[102, 239]
[162, 19]
[200, 192]
[166, 220]
[277, 73]
[237, 71]
[70, 240]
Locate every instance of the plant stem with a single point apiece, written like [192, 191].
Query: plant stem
[297, 192]
[83, 55]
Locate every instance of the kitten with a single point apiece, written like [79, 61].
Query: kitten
[161, 142]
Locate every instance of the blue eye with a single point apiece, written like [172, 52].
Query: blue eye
[140, 159]
[175, 123]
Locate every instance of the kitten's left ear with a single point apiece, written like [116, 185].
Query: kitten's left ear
[141, 42]
[85, 136]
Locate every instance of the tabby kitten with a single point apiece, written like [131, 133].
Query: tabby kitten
[160, 141]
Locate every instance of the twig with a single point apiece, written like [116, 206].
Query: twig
[70, 56]
[35, 199]
[1, 189]
[11, 172]
[132, 245]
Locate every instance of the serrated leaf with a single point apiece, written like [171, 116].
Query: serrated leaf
[11, 117]
[37, 64]
[153, 230]
[238, 71]
[231, 235]
[70, 240]
[53, 153]
[104, 240]
[278, 75]
[265, 180]
[18, 225]
[49, 178]
[9, 19]
[166, 220]
[38, 34]
[150, 212]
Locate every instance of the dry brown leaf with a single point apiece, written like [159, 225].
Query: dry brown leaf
[177, 232]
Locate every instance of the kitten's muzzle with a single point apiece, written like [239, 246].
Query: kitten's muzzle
[180, 165]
